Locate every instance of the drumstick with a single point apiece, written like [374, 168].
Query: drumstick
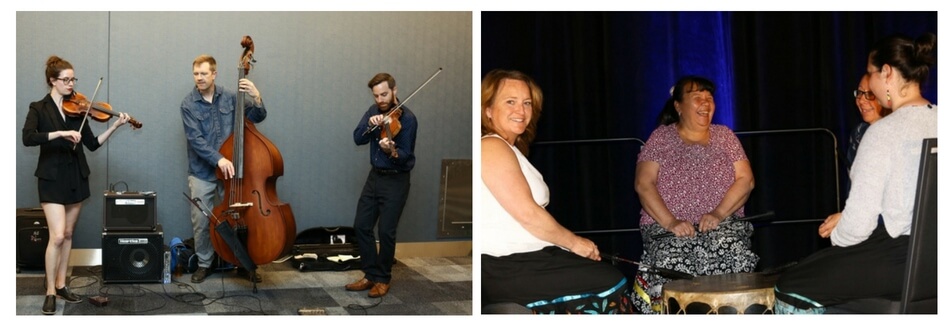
[665, 272]
[750, 218]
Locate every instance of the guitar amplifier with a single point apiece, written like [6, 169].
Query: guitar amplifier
[133, 257]
[129, 211]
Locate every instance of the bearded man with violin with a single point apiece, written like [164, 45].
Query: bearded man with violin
[62, 171]
[390, 130]
[207, 112]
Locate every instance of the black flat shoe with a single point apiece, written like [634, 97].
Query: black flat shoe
[49, 306]
[68, 296]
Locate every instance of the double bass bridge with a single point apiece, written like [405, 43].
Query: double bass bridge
[234, 209]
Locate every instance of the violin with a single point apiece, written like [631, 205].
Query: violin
[78, 105]
[391, 125]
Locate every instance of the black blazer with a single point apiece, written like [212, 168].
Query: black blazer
[44, 118]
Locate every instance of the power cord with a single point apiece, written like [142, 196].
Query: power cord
[364, 308]
[111, 187]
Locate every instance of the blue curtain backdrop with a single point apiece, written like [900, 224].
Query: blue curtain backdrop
[606, 75]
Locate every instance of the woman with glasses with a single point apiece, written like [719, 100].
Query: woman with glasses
[870, 110]
[62, 171]
[870, 237]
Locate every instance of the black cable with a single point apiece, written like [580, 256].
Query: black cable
[112, 186]
[192, 298]
[364, 308]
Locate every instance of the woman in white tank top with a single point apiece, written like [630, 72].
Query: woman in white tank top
[528, 258]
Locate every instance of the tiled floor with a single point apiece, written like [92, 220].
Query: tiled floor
[420, 286]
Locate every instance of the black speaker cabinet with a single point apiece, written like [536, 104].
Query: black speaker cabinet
[129, 211]
[32, 235]
[133, 256]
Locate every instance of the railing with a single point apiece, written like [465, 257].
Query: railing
[741, 133]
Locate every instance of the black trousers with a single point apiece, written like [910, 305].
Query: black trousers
[834, 275]
[382, 200]
[546, 274]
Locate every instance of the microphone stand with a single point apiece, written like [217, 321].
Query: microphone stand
[223, 229]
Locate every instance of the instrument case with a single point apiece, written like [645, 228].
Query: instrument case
[32, 236]
[331, 245]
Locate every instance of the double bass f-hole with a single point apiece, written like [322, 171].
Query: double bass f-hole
[259, 199]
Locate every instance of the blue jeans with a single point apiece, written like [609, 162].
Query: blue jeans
[210, 194]
[382, 200]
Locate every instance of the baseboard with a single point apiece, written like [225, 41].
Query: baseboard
[434, 249]
[85, 257]
[93, 256]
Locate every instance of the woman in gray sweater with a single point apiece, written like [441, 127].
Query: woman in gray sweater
[870, 237]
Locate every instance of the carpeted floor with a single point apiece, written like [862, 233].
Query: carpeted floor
[420, 286]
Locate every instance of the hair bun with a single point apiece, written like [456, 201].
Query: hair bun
[924, 48]
[53, 60]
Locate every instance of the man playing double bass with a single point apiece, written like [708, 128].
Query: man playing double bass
[385, 191]
[207, 111]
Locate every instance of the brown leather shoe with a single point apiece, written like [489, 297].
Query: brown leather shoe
[379, 290]
[360, 285]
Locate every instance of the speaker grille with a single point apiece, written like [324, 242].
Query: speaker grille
[133, 257]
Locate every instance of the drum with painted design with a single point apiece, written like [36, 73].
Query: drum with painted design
[737, 293]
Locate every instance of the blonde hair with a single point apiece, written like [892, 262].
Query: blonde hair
[206, 58]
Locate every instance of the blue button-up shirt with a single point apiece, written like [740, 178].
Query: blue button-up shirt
[404, 140]
[208, 125]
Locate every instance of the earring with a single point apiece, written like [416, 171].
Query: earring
[889, 102]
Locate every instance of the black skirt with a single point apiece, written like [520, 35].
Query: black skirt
[69, 187]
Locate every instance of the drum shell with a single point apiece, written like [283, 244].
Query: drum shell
[736, 293]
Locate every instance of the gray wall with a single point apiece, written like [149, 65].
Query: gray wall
[312, 70]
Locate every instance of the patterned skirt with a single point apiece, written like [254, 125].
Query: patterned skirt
[721, 251]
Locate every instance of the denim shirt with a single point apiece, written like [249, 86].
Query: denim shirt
[404, 140]
[208, 125]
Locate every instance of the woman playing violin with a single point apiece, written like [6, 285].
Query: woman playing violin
[62, 171]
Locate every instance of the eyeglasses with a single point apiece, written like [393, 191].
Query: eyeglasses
[868, 95]
[68, 80]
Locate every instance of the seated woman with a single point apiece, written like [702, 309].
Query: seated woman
[867, 258]
[871, 111]
[528, 258]
[693, 179]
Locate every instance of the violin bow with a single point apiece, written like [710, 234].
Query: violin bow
[86, 116]
[404, 101]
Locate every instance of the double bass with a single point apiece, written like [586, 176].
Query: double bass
[264, 224]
